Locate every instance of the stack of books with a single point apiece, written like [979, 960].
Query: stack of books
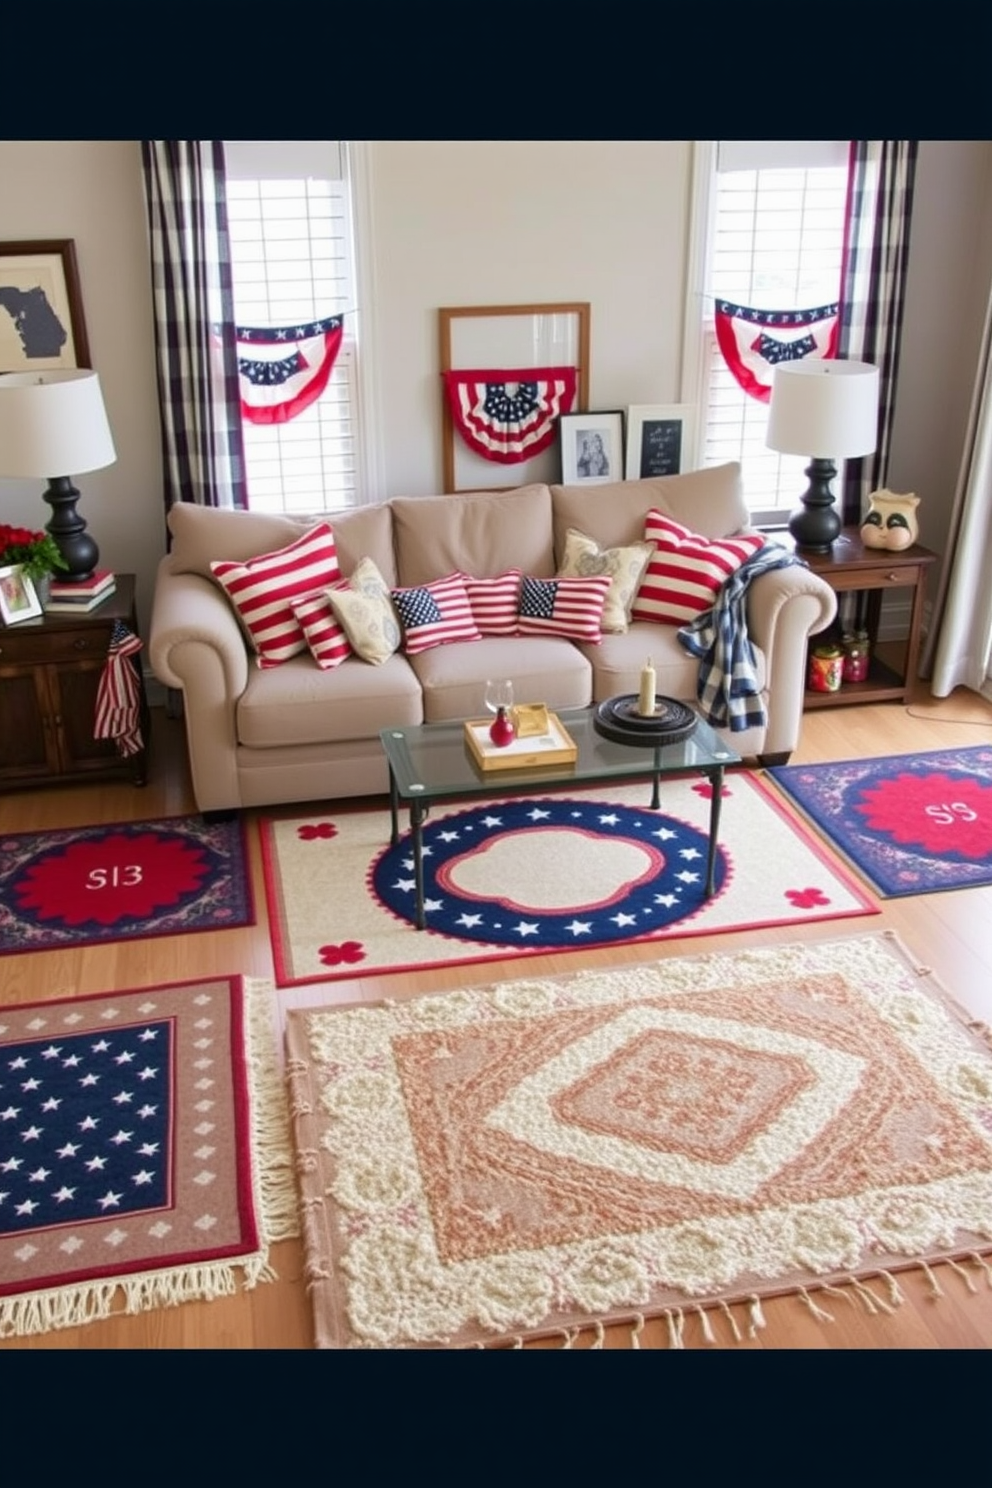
[75, 599]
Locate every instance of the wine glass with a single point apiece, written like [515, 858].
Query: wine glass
[499, 694]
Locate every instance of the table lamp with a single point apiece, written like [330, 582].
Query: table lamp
[828, 410]
[57, 421]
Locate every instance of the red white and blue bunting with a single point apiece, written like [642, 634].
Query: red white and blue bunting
[289, 369]
[754, 342]
[510, 416]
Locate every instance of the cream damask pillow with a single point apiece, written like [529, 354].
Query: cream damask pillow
[365, 613]
[584, 558]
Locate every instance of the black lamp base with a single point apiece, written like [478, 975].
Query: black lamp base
[816, 524]
[68, 530]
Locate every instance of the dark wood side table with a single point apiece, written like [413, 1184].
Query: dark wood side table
[870, 572]
[49, 675]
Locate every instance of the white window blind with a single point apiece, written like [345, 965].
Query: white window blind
[289, 218]
[775, 243]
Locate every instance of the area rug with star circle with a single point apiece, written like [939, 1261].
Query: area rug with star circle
[525, 875]
[911, 823]
[123, 881]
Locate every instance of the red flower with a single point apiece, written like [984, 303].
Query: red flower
[319, 829]
[939, 813]
[806, 898]
[348, 953]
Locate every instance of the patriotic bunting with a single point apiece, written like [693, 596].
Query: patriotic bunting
[510, 416]
[754, 342]
[288, 369]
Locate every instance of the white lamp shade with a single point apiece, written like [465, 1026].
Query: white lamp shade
[53, 424]
[824, 409]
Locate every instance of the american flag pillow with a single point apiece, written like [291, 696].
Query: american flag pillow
[262, 591]
[686, 571]
[327, 641]
[564, 607]
[495, 602]
[434, 614]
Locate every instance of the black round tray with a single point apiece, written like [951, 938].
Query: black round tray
[618, 719]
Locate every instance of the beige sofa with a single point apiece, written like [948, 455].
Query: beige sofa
[258, 737]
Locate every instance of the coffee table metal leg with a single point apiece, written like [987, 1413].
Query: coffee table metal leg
[656, 792]
[394, 803]
[417, 834]
[715, 778]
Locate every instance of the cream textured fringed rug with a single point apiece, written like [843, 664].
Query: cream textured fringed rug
[545, 1155]
[145, 1152]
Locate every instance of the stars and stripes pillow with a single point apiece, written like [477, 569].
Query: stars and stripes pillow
[564, 607]
[435, 614]
[495, 602]
[686, 571]
[327, 641]
[262, 591]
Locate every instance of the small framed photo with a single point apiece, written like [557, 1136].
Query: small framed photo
[18, 596]
[591, 447]
[659, 439]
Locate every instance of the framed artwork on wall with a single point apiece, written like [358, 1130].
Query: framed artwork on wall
[41, 308]
[507, 371]
[659, 439]
[591, 446]
[18, 596]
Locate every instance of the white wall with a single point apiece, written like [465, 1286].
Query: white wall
[477, 223]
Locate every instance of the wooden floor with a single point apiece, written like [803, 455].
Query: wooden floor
[951, 932]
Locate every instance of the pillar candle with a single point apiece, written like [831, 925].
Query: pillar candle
[645, 704]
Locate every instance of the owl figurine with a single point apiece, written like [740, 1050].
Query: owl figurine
[890, 521]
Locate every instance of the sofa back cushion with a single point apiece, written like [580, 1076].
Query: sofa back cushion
[710, 501]
[202, 534]
[482, 533]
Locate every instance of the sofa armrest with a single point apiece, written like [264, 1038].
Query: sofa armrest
[785, 606]
[196, 644]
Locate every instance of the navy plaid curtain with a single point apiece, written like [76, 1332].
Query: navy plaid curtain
[202, 443]
[873, 289]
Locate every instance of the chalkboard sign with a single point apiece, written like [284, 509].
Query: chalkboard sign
[661, 447]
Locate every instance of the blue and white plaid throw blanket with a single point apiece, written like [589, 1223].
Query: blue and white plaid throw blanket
[727, 686]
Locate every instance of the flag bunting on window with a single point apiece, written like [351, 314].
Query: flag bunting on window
[754, 342]
[287, 367]
[510, 416]
[118, 694]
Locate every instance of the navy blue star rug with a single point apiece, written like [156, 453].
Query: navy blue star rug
[522, 876]
[123, 881]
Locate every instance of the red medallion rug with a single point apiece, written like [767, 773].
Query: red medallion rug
[556, 872]
[125, 881]
[912, 823]
[145, 1154]
[676, 1139]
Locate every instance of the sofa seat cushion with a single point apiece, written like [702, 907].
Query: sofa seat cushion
[617, 661]
[298, 703]
[542, 669]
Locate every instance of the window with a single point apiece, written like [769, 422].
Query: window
[293, 260]
[769, 234]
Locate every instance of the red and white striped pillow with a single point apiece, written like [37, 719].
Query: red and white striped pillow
[495, 602]
[686, 571]
[564, 607]
[327, 641]
[435, 614]
[262, 591]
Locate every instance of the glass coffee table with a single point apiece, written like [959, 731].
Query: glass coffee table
[432, 761]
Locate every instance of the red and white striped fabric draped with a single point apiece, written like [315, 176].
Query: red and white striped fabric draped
[118, 697]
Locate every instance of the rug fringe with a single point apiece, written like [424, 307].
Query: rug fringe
[276, 1174]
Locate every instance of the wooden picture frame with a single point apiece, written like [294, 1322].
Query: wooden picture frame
[41, 308]
[659, 439]
[18, 596]
[591, 447]
[507, 336]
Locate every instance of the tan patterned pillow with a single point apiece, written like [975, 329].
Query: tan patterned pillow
[366, 615]
[583, 558]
